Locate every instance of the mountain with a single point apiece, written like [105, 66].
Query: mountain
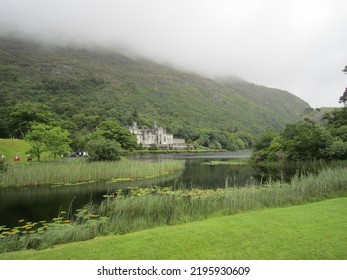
[285, 105]
[84, 86]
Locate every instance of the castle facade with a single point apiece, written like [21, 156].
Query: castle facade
[156, 136]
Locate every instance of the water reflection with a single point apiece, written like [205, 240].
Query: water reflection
[45, 203]
[199, 175]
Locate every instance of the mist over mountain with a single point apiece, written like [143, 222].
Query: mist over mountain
[84, 86]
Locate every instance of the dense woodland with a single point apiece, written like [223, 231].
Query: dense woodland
[78, 92]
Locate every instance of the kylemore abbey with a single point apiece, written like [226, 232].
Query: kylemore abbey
[157, 136]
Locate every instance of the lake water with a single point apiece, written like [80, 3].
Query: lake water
[45, 203]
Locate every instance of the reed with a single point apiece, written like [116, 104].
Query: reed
[75, 171]
[142, 208]
[154, 207]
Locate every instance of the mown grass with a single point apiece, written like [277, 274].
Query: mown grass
[144, 208]
[12, 147]
[75, 171]
[312, 231]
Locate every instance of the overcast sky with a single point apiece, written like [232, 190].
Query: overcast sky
[295, 45]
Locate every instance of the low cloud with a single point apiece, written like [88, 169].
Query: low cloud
[296, 45]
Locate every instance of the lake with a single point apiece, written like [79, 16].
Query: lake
[46, 202]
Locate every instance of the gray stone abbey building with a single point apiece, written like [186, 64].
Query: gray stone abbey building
[156, 136]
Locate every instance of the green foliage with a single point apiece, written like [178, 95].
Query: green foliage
[337, 150]
[306, 140]
[111, 130]
[86, 87]
[100, 149]
[58, 141]
[268, 148]
[71, 172]
[47, 138]
[142, 208]
[37, 137]
[343, 98]
[25, 114]
[295, 232]
[265, 140]
[336, 118]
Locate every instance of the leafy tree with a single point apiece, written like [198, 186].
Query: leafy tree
[38, 139]
[111, 130]
[47, 138]
[343, 98]
[337, 150]
[100, 149]
[305, 141]
[58, 141]
[25, 114]
[203, 140]
[215, 145]
[5, 130]
[265, 140]
[231, 141]
[80, 138]
[268, 147]
[247, 138]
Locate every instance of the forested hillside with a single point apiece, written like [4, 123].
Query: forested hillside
[83, 87]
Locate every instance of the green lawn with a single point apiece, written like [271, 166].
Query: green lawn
[312, 231]
[12, 147]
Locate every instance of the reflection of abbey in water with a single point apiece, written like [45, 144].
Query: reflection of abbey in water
[156, 136]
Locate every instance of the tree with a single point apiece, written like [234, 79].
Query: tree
[204, 139]
[337, 150]
[37, 138]
[268, 147]
[101, 148]
[111, 130]
[305, 141]
[343, 98]
[47, 138]
[58, 141]
[25, 114]
[265, 140]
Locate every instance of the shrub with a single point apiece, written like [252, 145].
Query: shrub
[103, 149]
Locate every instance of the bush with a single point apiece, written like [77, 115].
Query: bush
[103, 149]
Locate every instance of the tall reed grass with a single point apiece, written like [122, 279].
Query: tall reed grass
[146, 208]
[74, 171]
[140, 210]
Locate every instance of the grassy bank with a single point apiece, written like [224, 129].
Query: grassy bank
[151, 207]
[145, 208]
[74, 171]
[311, 231]
[12, 147]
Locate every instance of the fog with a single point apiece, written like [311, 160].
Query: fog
[295, 45]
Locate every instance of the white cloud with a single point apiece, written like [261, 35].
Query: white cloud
[297, 45]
